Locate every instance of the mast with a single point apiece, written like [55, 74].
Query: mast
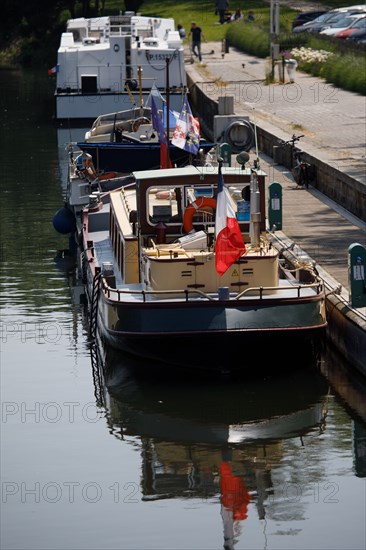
[167, 113]
[140, 89]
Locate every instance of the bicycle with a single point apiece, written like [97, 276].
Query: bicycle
[302, 171]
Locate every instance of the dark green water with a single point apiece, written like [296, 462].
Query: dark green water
[143, 464]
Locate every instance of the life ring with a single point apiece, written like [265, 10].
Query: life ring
[107, 176]
[137, 123]
[190, 211]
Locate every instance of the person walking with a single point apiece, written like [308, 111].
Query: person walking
[221, 7]
[197, 34]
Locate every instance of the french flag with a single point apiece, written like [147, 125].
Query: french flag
[54, 70]
[229, 240]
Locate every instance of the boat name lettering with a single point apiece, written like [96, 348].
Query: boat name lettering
[160, 56]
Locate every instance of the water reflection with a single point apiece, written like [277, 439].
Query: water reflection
[350, 388]
[217, 440]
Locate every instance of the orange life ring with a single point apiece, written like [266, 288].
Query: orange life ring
[107, 176]
[190, 211]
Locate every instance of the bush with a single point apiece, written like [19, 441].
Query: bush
[247, 37]
[347, 72]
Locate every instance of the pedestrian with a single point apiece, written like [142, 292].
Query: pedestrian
[250, 16]
[237, 15]
[181, 30]
[221, 8]
[197, 34]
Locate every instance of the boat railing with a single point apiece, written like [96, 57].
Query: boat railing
[255, 292]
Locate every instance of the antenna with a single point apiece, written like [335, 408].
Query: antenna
[256, 163]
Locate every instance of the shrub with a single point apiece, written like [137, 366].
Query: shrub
[347, 72]
[247, 37]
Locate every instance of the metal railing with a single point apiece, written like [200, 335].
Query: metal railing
[255, 292]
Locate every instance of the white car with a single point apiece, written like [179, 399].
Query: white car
[342, 24]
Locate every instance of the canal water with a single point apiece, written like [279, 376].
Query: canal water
[95, 455]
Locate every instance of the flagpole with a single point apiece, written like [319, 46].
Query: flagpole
[140, 89]
[167, 113]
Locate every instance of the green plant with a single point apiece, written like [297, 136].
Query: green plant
[249, 38]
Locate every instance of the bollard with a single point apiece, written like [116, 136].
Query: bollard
[275, 205]
[356, 275]
[225, 153]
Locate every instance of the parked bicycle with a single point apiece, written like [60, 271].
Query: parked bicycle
[302, 171]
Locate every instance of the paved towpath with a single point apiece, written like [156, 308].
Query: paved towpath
[333, 120]
[334, 125]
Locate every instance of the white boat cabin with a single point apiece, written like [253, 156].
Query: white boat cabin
[104, 54]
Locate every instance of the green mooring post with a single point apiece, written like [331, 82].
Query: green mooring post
[275, 205]
[225, 153]
[356, 275]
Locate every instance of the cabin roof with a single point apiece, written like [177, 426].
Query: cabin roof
[190, 171]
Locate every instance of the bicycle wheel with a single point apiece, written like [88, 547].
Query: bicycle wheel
[296, 172]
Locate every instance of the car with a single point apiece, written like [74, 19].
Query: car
[305, 17]
[328, 18]
[358, 37]
[342, 24]
[317, 23]
[357, 25]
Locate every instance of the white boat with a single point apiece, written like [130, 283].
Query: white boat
[149, 262]
[110, 63]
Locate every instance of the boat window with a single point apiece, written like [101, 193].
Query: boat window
[240, 194]
[164, 204]
[167, 204]
[199, 191]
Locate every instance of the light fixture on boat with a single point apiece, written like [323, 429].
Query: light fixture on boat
[242, 158]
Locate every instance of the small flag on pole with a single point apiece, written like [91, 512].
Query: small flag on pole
[229, 240]
[158, 125]
[187, 132]
[54, 70]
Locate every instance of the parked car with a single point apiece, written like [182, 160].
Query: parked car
[342, 24]
[305, 17]
[359, 24]
[327, 19]
[358, 37]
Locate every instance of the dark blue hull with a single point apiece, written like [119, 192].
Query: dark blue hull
[128, 157]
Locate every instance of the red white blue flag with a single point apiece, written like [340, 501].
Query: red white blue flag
[187, 131]
[229, 240]
[158, 125]
[54, 70]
